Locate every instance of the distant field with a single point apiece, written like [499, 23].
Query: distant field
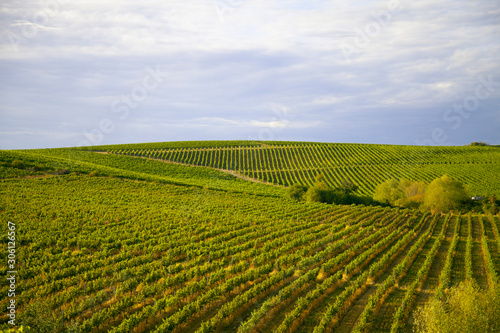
[117, 243]
[364, 165]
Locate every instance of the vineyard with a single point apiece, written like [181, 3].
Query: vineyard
[124, 242]
[365, 165]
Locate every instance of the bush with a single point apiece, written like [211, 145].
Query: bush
[296, 192]
[444, 194]
[94, 173]
[388, 192]
[465, 308]
[314, 194]
[412, 193]
[18, 164]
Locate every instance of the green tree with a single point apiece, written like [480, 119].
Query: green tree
[296, 192]
[314, 194]
[465, 309]
[410, 193]
[444, 194]
[388, 192]
[320, 182]
[18, 164]
[348, 188]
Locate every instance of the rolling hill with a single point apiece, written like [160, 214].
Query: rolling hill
[199, 237]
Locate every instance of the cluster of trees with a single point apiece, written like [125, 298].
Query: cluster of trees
[479, 143]
[320, 192]
[441, 195]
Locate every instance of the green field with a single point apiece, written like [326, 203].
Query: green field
[199, 237]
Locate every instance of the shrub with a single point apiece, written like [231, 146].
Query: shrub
[465, 308]
[388, 192]
[94, 173]
[444, 194]
[412, 193]
[296, 192]
[314, 194]
[17, 164]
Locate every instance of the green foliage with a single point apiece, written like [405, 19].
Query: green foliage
[478, 143]
[411, 193]
[348, 188]
[21, 329]
[388, 192]
[465, 309]
[18, 164]
[40, 319]
[444, 194]
[287, 163]
[491, 205]
[315, 194]
[320, 182]
[342, 195]
[441, 195]
[296, 192]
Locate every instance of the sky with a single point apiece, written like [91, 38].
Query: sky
[79, 73]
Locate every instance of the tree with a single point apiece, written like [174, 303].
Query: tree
[478, 143]
[296, 192]
[314, 194]
[411, 194]
[444, 194]
[348, 188]
[388, 192]
[465, 308]
[491, 205]
[18, 164]
[319, 182]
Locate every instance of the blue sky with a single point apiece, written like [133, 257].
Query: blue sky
[102, 72]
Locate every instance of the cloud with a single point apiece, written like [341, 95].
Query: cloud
[229, 76]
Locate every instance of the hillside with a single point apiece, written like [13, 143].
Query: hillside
[287, 163]
[121, 239]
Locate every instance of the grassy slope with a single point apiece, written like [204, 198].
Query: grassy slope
[127, 167]
[138, 222]
[285, 163]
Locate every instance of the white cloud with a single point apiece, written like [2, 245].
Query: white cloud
[224, 76]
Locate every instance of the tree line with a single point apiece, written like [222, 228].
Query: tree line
[441, 195]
